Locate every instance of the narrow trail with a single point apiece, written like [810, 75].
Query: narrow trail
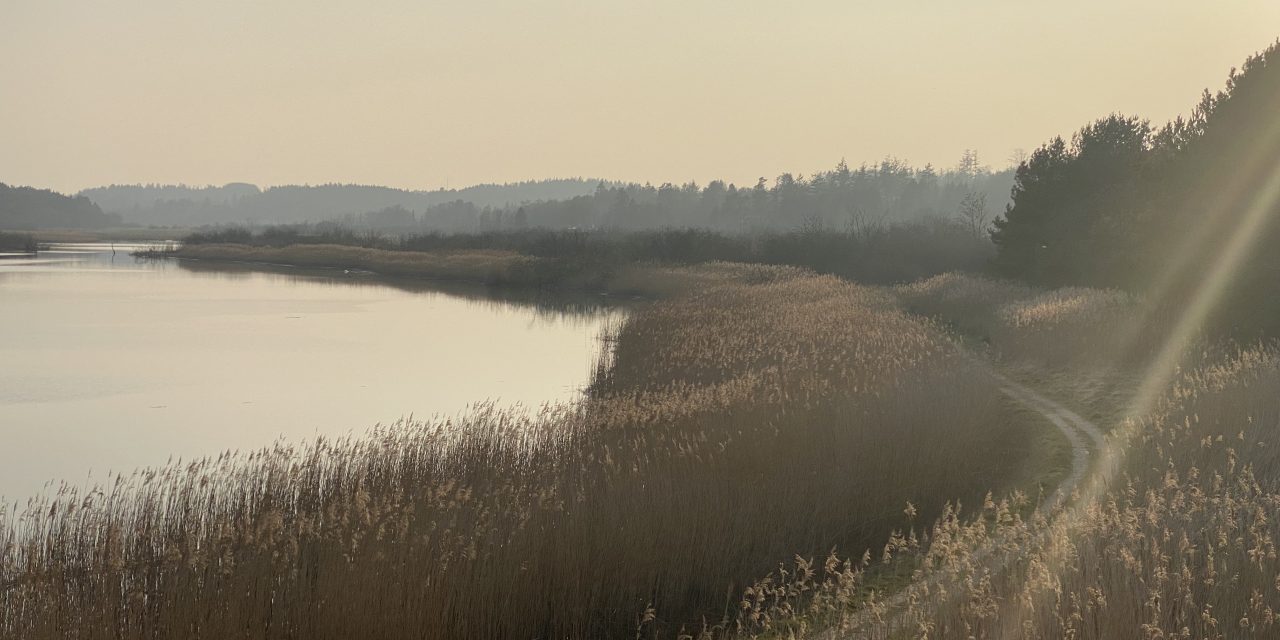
[1085, 437]
[1086, 440]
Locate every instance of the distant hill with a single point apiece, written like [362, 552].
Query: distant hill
[126, 198]
[239, 202]
[30, 208]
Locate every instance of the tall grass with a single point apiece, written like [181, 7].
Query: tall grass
[1176, 540]
[1069, 327]
[1173, 537]
[760, 413]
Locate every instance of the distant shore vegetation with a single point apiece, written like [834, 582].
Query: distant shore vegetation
[27, 208]
[588, 259]
[21, 242]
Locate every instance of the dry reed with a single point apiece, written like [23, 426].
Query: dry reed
[1075, 327]
[762, 413]
[1174, 536]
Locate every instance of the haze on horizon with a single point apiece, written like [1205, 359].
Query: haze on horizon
[457, 93]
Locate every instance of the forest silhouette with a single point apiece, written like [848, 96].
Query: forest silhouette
[1151, 209]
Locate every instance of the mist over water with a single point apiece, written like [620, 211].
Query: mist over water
[112, 363]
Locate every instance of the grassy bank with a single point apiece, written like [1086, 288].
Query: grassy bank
[491, 267]
[868, 253]
[755, 414]
[1077, 329]
[485, 266]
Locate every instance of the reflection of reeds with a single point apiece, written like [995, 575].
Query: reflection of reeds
[155, 250]
[760, 413]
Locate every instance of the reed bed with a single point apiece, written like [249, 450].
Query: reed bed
[1176, 539]
[761, 413]
[1174, 536]
[1068, 327]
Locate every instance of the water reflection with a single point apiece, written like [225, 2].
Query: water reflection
[111, 362]
[566, 306]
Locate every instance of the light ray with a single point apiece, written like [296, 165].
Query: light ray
[1241, 244]
[1182, 257]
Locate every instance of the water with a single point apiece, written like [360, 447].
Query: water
[113, 363]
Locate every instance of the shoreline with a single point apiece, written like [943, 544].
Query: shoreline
[723, 291]
[481, 267]
[490, 268]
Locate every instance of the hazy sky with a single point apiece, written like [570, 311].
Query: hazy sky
[424, 94]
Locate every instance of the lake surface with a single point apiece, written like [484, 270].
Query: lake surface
[114, 363]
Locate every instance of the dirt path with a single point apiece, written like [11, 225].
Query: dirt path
[1085, 437]
[1086, 440]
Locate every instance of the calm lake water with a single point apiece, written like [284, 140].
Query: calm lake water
[113, 363]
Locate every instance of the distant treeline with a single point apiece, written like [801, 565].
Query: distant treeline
[29, 208]
[238, 203]
[1187, 213]
[843, 197]
[873, 253]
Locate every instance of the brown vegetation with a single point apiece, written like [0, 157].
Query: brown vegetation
[763, 413]
[1068, 327]
[479, 265]
[1173, 537]
[1176, 538]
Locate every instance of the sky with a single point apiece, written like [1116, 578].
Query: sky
[429, 94]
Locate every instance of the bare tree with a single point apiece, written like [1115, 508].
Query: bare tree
[863, 225]
[973, 213]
